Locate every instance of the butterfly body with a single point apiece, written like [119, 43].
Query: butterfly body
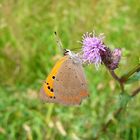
[66, 84]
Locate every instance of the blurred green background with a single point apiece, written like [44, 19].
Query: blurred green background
[28, 51]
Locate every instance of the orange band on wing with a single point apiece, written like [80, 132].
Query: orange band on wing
[48, 85]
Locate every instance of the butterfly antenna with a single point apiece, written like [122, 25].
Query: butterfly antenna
[58, 42]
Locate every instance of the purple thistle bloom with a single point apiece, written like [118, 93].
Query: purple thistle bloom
[116, 57]
[111, 58]
[92, 47]
[95, 51]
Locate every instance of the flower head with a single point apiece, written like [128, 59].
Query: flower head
[95, 51]
[92, 48]
[116, 57]
[111, 58]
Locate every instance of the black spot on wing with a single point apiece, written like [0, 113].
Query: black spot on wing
[46, 83]
[52, 97]
[53, 77]
[51, 89]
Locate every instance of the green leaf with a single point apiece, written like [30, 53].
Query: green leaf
[134, 78]
[124, 98]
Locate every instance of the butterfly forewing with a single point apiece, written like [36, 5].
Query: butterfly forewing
[67, 81]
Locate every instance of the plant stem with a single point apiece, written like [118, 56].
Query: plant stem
[121, 81]
[116, 114]
[114, 75]
[135, 92]
[126, 76]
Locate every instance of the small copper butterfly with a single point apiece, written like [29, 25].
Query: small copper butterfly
[66, 84]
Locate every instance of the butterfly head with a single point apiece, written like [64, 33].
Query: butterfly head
[69, 53]
[74, 56]
[66, 52]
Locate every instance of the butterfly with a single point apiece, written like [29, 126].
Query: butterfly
[66, 84]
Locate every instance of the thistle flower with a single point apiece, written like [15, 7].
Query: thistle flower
[111, 58]
[116, 57]
[92, 46]
[95, 51]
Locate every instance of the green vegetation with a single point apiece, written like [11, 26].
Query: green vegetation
[28, 51]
